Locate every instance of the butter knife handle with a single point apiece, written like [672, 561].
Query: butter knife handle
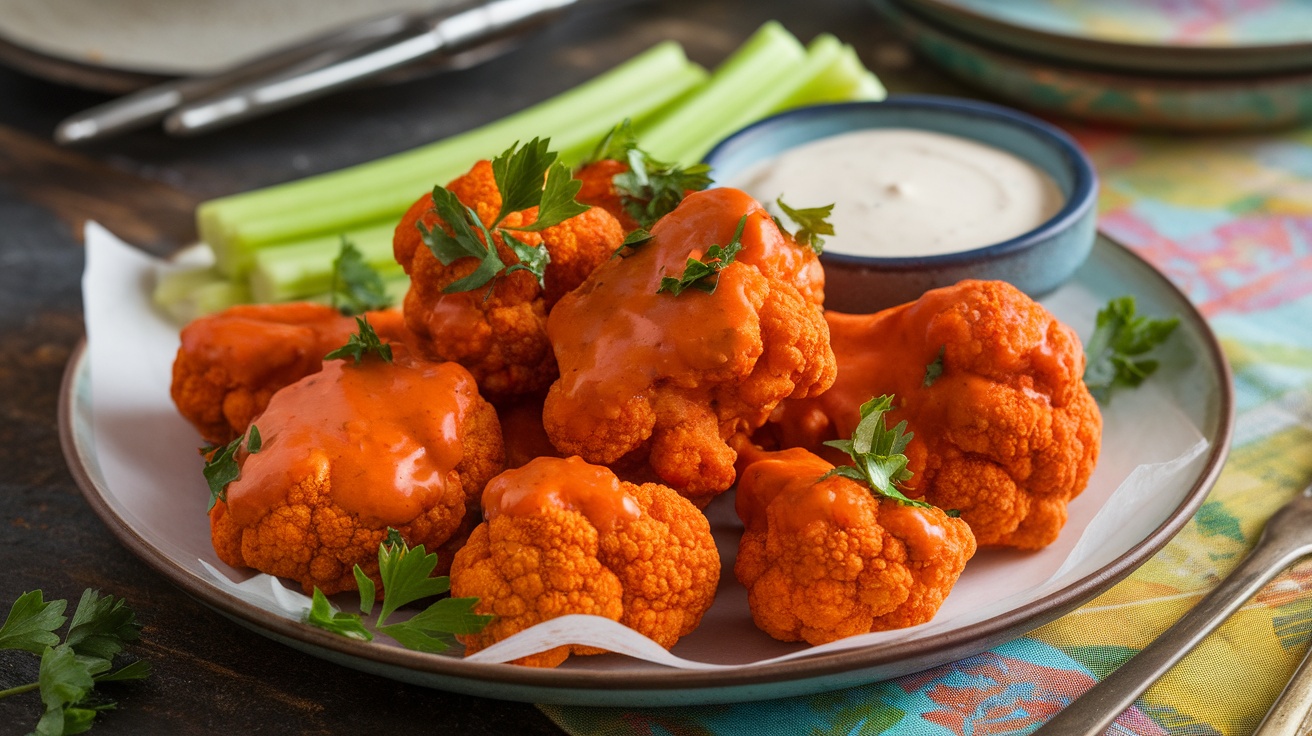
[454, 33]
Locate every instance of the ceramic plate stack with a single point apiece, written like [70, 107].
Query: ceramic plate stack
[1224, 65]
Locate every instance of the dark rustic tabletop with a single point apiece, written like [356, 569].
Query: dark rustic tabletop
[210, 674]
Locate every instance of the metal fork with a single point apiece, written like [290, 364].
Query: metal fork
[1286, 538]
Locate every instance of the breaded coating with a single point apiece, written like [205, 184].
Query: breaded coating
[665, 381]
[825, 559]
[349, 452]
[991, 384]
[563, 537]
[231, 362]
[499, 335]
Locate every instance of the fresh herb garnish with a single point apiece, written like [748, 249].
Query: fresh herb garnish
[650, 189]
[407, 577]
[935, 368]
[360, 344]
[528, 176]
[812, 222]
[1119, 337]
[356, 286]
[221, 468]
[704, 275]
[877, 453]
[69, 671]
[632, 242]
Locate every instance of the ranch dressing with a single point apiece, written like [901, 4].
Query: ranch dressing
[902, 192]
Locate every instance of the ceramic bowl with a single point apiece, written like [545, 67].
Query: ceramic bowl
[1037, 261]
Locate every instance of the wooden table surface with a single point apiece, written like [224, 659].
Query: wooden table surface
[211, 675]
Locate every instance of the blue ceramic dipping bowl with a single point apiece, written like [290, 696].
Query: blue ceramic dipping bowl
[1037, 261]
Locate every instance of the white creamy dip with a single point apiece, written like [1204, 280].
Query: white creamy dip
[903, 192]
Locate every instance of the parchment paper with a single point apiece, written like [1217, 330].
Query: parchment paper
[147, 455]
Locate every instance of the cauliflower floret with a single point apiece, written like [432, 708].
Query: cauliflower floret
[230, 363]
[990, 383]
[563, 537]
[825, 559]
[348, 452]
[650, 377]
[499, 335]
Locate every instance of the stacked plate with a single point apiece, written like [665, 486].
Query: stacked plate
[1230, 65]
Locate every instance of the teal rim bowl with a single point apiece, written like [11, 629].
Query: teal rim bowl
[1037, 261]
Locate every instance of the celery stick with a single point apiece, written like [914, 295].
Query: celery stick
[684, 134]
[382, 189]
[186, 295]
[299, 270]
[843, 79]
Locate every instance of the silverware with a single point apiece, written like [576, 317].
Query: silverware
[453, 33]
[150, 105]
[1292, 711]
[454, 38]
[1286, 538]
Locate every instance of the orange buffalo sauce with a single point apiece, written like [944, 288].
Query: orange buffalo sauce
[616, 336]
[389, 433]
[561, 483]
[789, 481]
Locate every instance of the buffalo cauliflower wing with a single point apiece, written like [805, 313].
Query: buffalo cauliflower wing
[562, 536]
[230, 363]
[990, 383]
[498, 334]
[663, 380]
[348, 452]
[826, 559]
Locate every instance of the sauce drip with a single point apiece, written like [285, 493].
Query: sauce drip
[901, 192]
[568, 483]
[388, 434]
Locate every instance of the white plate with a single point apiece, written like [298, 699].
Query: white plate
[134, 462]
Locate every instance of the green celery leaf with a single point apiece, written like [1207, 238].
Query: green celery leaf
[356, 286]
[32, 622]
[324, 615]
[362, 344]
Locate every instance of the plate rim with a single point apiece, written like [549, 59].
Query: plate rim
[1183, 59]
[558, 685]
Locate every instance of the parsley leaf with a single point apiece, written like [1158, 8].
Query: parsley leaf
[1119, 337]
[812, 222]
[877, 454]
[221, 468]
[356, 286]
[361, 344]
[69, 670]
[322, 614]
[101, 625]
[704, 275]
[433, 629]
[935, 368]
[632, 242]
[650, 189]
[31, 623]
[406, 577]
[519, 173]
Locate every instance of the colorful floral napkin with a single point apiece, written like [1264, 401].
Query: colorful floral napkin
[1229, 219]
